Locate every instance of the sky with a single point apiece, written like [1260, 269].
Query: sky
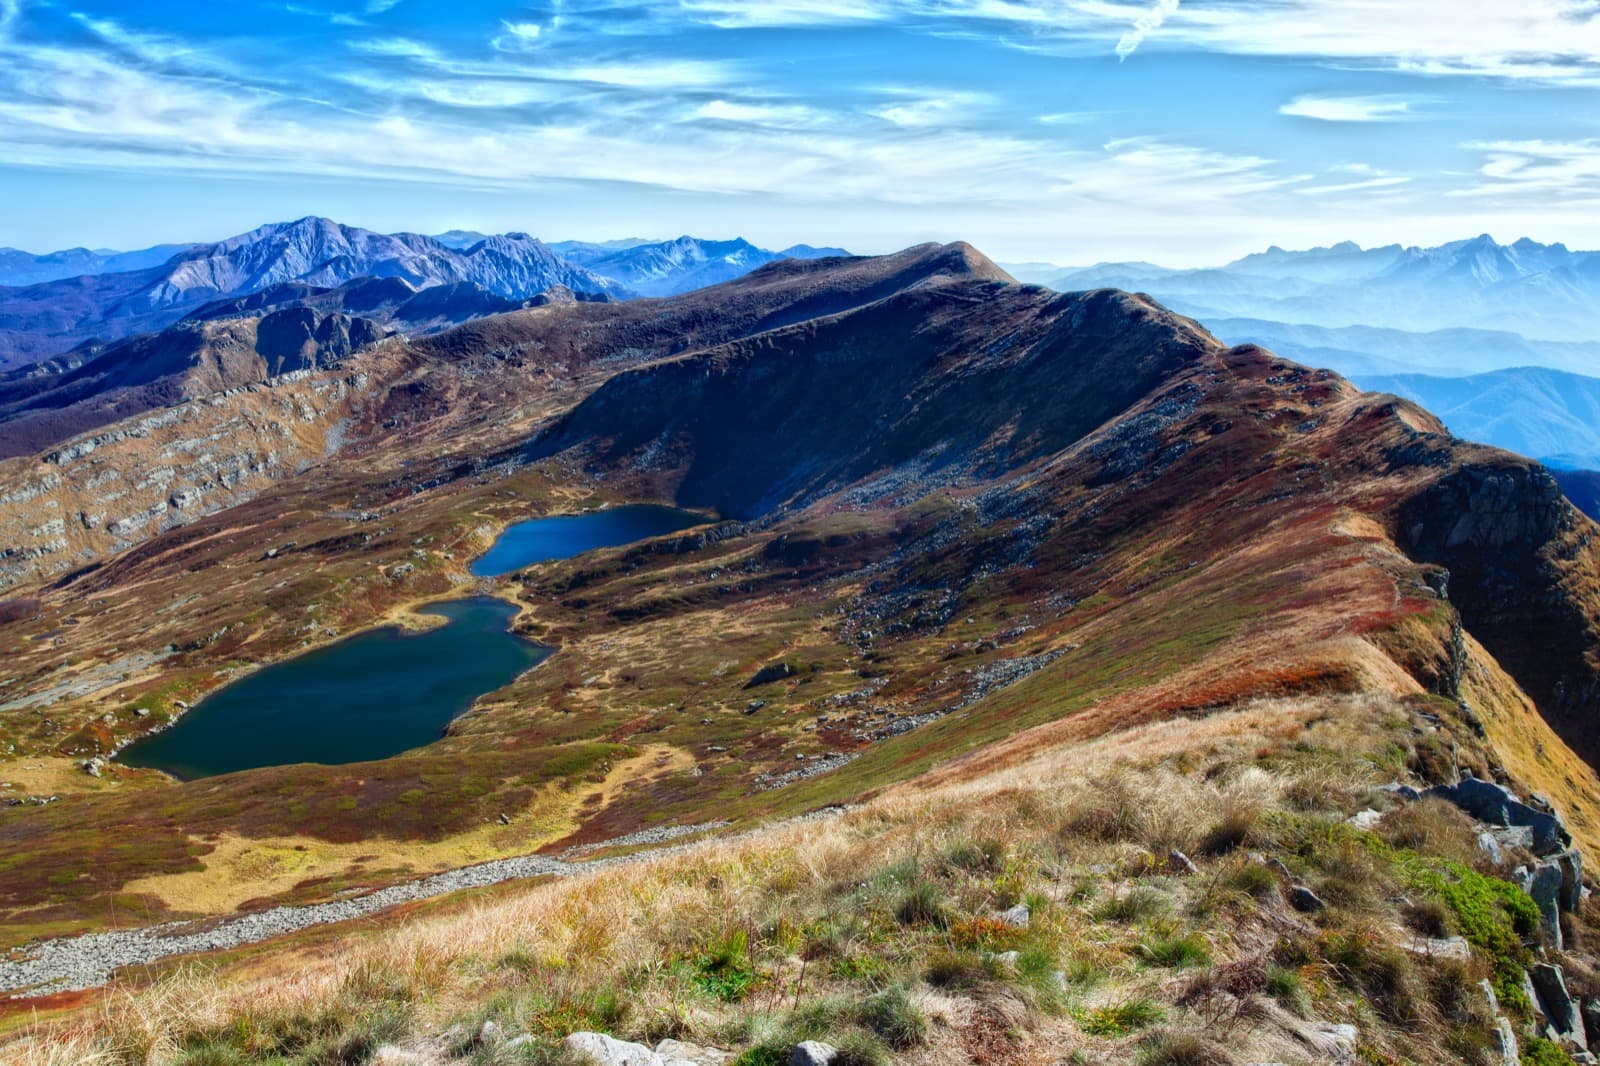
[1185, 132]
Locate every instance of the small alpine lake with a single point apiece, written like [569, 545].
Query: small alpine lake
[540, 540]
[385, 691]
[369, 696]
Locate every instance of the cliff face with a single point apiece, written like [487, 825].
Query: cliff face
[1522, 574]
[42, 408]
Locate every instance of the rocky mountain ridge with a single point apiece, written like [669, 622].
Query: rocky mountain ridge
[980, 521]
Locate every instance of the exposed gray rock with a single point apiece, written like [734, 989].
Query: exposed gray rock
[1591, 1018]
[813, 1053]
[1402, 791]
[1450, 947]
[1557, 1004]
[1571, 863]
[1181, 864]
[609, 1051]
[1367, 819]
[1545, 888]
[678, 1053]
[1490, 848]
[1505, 1042]
[1514, 836]
[1498, 805]
[1017, 917]
[1301, 898]
[770, 673]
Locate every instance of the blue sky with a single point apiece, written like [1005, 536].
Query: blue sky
[1183, 131]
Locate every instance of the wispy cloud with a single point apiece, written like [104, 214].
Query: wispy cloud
[1541, 170]
[1144, 26]
[1350, 108]
[920, 108]
[1533, 40]
[1353, 186]
[760, 113]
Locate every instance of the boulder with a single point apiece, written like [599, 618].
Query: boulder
[609, 1051]
[1591, 1018]
[1571, 863]
[1545, 888]
[1017, 917]
[1301, 898]
[1490, 847]
[770, 673]
[1505, 1042]
[1558, 1006]
[1180, 864]
[391, 1055]
[1367, 819]
[1450, 947]
[679, 1053]
[813, 1053]
[1402, 791]
[1498, 805]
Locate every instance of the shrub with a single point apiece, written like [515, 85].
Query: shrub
[1253, 880]
[1537, 1051]
[1431, 826]
[977, 856]
[1132, 906]
[1118, 1019]
[984, 932]
[892, 1015]
[860, 1049]
[1175, 953]
[1286, 987]
[1181, 1049]
[923, 905]
[961, 969]
[724, 969]
[1381, 972]
[1235, 827]
[1430, 917]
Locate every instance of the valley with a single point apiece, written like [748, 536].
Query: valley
[954, 540]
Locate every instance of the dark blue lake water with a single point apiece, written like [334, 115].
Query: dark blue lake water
[367, 697]
[564, 536]
[379, 693]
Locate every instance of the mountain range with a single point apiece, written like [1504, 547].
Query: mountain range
[1544, 292]
[24, 268]
[117, 295]
[1498, 340]
[1136, 613]
[668, 268]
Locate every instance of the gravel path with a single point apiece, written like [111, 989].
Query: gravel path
[69, 964]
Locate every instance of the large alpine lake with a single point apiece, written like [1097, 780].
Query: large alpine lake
[385, 691]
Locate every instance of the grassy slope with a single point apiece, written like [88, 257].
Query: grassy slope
[875, 930]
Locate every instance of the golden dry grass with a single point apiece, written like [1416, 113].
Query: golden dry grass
[1166, 784]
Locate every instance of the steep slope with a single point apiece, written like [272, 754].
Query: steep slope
[970, 522]
[1535, 412]
[894, 384]
[467, 389]
[40, 408]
